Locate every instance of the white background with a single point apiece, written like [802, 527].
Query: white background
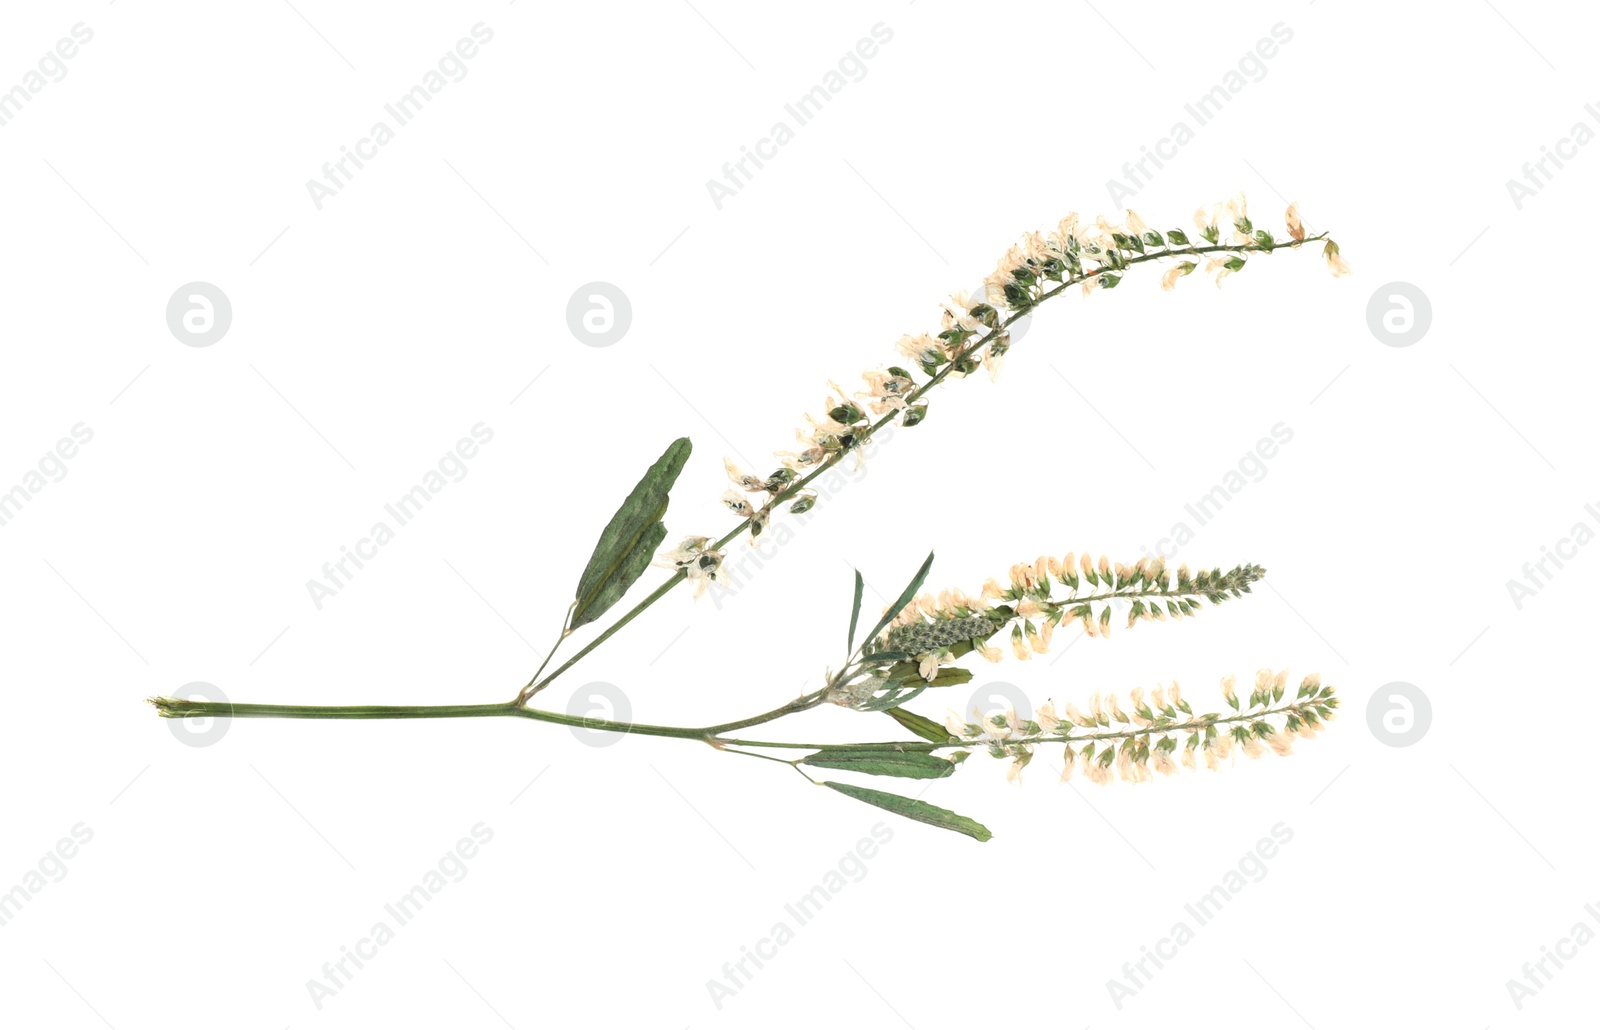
[427, 296]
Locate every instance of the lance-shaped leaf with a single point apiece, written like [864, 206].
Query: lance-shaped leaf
[630, 539]
[921, 725]
[855, 612]
[911, 808]
[916, 765]
[905, 598]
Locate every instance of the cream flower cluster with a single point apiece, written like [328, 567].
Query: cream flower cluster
[973, 329]
[1043, 595]
[1154, 734]
[697, 559]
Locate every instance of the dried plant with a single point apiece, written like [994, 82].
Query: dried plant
[919, 640]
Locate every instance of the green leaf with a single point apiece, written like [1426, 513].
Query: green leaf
[855, 612]
[630, 539]
[905, 598]
[916, 765]
[922, 726]
[911, 808]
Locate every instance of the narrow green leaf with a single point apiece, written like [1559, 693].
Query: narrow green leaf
[905, 598]
[921, 725]
[916, 765]
[855, 613]
[630, 539]
[911, 808]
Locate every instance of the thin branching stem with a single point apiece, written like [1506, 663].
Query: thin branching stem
[972, 350]
[176, 708]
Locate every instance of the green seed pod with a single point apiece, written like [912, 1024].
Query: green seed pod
[923, 637]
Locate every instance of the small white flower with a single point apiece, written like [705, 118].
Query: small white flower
[1336, 264]
[923, 349]
[1000, 725]
[741, 479]
[1297, 229]
[802, 461]
[958, 312]
[1014, 771]
[684, 554]
[702, 566]
[928, 664]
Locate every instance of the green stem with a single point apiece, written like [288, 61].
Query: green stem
[529, 690]
[633, 613]
[175, 708]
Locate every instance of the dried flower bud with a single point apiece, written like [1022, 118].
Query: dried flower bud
[1336, 264]
[1297, 229]
[737, 503]
[741, 479]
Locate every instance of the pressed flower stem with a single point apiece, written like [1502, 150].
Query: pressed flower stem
[915, 395]
[175, 708]
[178, 709]
[661, 591]
[529, 690]
[517, 706]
